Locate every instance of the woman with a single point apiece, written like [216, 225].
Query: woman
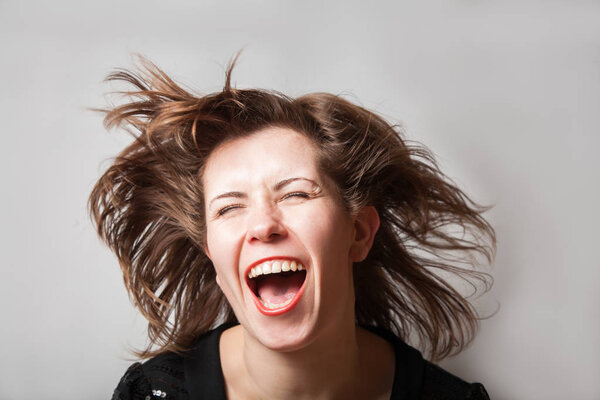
[282, 248]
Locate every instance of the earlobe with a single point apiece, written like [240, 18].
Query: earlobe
[205, 248]
[366, 225]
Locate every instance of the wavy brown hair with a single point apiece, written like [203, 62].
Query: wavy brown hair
[149, 208]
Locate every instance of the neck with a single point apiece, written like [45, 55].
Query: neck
[327, 368]
[341, 364]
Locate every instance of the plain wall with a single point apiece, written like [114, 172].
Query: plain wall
[507, 94]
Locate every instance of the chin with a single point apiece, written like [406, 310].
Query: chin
[284, 337]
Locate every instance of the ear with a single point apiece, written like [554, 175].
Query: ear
[205, 248]
[366, 225]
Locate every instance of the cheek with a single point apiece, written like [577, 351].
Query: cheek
[220, 250]
[219, 242]
[226, 276]
[328, 233]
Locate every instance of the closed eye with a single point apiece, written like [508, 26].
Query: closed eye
[302, 195]
[226, 209]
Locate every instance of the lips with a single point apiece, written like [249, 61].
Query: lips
[276, 284]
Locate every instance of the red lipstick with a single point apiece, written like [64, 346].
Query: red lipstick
[287, 305]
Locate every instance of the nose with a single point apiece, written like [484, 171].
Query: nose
[264, 225]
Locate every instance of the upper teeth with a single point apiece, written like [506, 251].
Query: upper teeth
[274, 267]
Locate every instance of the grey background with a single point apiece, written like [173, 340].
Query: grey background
[506, 93]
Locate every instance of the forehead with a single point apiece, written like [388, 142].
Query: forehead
[271, 153]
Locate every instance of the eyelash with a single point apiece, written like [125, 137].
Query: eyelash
[231, 207]
[225, 209]
[303, 195]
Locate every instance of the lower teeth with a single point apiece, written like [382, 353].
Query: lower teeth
[272, 306]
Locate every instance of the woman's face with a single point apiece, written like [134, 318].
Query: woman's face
[269, 209]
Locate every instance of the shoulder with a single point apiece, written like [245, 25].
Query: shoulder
[439, 384]
[417, 378]
[161, 377]
[164, 376]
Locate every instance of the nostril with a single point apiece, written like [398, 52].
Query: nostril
[266, 237]
[266, 230]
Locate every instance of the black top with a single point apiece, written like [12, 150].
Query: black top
[197, 375]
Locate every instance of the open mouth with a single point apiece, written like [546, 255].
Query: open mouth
[277, 285]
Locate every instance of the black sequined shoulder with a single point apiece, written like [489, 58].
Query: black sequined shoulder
[161, 377]
[193, 375]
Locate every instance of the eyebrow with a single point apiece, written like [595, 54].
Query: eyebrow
[236, 195]
[281, 184]
[278, 186]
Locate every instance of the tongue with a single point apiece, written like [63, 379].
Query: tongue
[278, 288]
